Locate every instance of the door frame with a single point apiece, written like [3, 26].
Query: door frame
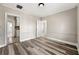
[6, 17]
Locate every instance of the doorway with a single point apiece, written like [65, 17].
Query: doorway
[41, 27]
[12, 28]
[10, 31]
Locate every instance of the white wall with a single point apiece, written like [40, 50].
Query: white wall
[27, 24]
[28, 27]
[63, 26]
[2, 28]
[78, 27]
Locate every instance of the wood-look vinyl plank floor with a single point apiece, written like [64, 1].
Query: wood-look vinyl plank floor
[42, 50]
[36, 49]
[47, 48]
[53, 47]
[50, 52]
[0, 51]
[21, 49]
[11, 49]
[39, 46]
[61, 44]
[16, 49]
[5, 50]
[68, 49]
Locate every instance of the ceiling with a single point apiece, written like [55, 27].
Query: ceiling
[48, 9]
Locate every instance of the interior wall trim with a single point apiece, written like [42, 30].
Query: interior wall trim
[27, 39]
[20, 41]
[2, 45]
[62, 41]
[6, 14]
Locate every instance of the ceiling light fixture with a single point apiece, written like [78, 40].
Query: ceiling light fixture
[41, 4]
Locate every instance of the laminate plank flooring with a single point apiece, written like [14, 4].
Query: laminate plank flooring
[68, 48]
[39, 46]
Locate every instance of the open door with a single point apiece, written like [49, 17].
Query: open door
[13, 29]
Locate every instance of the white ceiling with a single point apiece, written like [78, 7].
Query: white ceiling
[48, 9]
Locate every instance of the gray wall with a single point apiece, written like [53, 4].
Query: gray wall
[63, 26]
[27, 24]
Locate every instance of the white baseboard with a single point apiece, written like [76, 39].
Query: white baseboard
[62, 41]
[78, 50]
[27, 39]
[20, 41]
[2, 45]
